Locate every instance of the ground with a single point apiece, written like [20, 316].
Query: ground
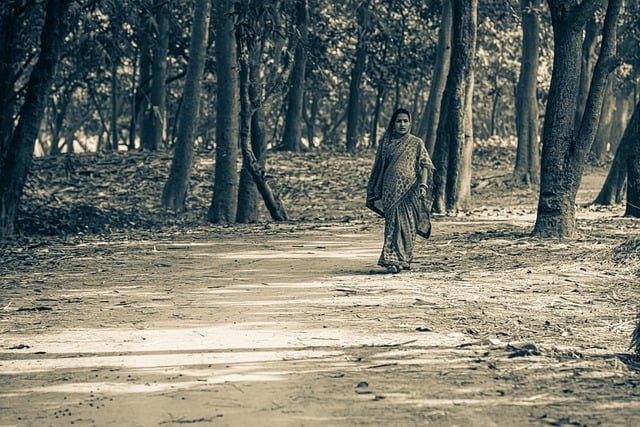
[293, 324]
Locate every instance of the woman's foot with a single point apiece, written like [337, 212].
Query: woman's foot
[393, 269]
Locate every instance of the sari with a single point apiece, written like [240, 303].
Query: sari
[393, 192]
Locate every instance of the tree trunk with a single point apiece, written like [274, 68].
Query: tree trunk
[174, 193]
[589, 45]
[16, 163]
[602, 140]
[451, 144]
[565, 146]
[612, 190]
[291, 139]
[353, 108]
[248, 195]
[157, 112]
[224, 203]
[632, 139]
[428, 127]
[251, 163]
[527, 167]
[113, 120]
[380, 94]
[624, 103]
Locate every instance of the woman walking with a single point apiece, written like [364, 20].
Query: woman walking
[397, 184]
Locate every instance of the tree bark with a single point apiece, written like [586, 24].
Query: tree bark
[16, 163]
[251, 163]
[174, 193]
[428, 127]
[527, 167]
[566, 145]
[353, 107]
[451, 144]
[248, 194]
[589, 45]
[602, 140]
[631, 138]
[224, 203]
[156, 119]
[291, 139]
[612, 190]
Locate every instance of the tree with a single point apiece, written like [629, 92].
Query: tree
[224, 203]
[256, 30]
[353, 107]
[566, 143]
[527, 167]
[291, 139]
[17, 158]
[631, 138]
[428, 125]
[155, 118]
[175, 189]
[451, 153]
[249, 104]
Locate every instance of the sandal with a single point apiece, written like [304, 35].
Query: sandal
[393, 269]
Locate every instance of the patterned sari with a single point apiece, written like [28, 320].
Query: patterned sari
[393, 192]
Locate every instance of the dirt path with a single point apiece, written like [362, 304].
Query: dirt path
[295, 326]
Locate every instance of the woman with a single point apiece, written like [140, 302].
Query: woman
[398, 181]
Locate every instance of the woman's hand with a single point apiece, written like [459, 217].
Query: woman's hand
[423, 190]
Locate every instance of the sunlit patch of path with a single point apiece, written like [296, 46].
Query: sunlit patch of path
[307, 330]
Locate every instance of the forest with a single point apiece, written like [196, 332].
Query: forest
[238, 80]
[184, 233]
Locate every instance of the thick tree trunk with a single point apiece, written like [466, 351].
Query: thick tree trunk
[16, 163]
[565, 146]
[353, 107]
[224, 204]
[450, 149]
[527, 167]
[428, 127]
[291, 138]
[174, 193]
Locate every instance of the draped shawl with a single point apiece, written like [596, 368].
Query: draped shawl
[395, 171]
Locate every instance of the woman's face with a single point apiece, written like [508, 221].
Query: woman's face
[402, 124]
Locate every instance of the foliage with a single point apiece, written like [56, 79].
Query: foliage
[97, 193]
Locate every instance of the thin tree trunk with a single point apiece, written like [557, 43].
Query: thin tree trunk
[291, 139]
[527, 167]
[174, 193]
[353, 107]
[250, 161]
[632, 139]
[248, 195]
[588, 50]
[428, 127]
[113, 123]
[14, 170]
[602, 140]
